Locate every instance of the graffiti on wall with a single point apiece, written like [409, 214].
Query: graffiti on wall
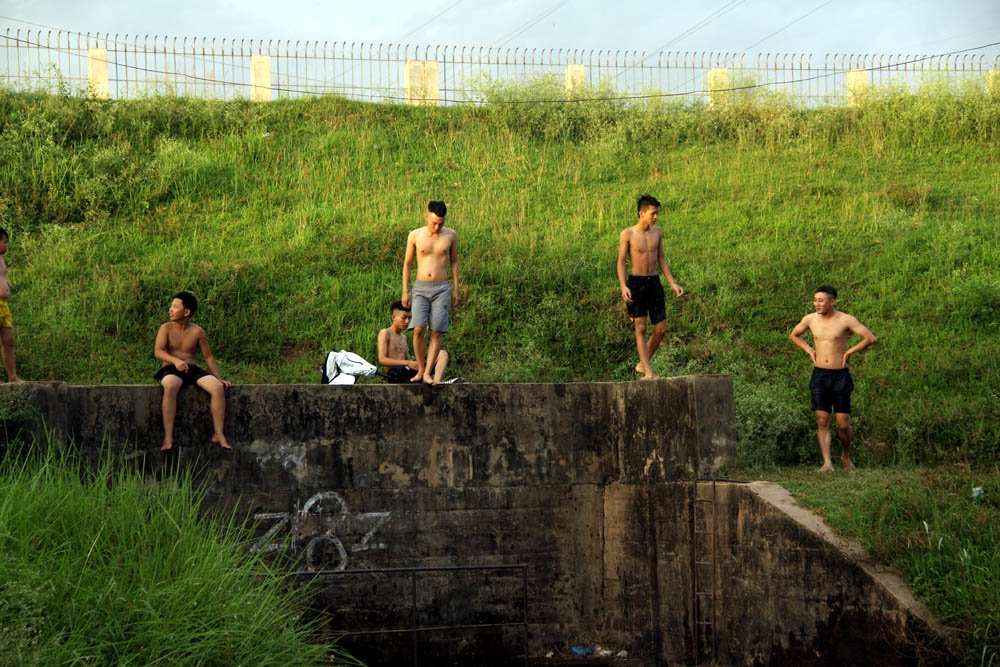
[324, 533]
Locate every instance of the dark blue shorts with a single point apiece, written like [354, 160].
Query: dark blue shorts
[647, 298]
[400, 374]
[831, 388]
[190, 377]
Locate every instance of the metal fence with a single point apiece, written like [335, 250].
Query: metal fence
[148, 65]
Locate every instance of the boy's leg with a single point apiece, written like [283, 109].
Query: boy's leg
[418, 353]
[171, 387]
[217, 391]
[432, 354]
[440, 366]
[823, 435]
[659, 332]
[643, 348]
[7, 341]
[845, 433]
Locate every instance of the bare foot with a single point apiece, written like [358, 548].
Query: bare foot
[847, 463]
[430, 381]
[15, 379]
[221, 441]
[167, 446]
[638, 369]
[417, 378]
[827, 468]
[649, 376]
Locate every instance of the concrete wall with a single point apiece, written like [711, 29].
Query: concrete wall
[588, 485]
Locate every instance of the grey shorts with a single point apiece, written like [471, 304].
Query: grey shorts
[430, 302]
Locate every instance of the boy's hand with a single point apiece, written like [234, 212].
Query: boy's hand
[226, 383]
[182, 366]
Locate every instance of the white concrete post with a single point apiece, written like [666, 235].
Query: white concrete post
[260, 78]
[421, 82]
[97, 73]
[576, 78]
[717, 83]
[857, 86]
[993, 83]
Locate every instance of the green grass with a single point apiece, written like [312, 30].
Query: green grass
[931, 524]
[109, 569]
[289, 220]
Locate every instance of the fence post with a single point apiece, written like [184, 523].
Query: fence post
[260, 78]
[857, 86]
[97, 73]
[421, 82]
[576, 78]
[993, 83]
[717, 83]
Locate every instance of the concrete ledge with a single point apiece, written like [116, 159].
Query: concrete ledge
[390, 436]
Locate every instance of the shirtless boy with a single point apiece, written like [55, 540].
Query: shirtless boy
[176, 345]
[642, 245]
[6, 319]
[393, 352]
[435, 248]
[831, 382]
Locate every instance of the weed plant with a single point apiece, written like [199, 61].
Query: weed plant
[105, 568]
[289, 220]
[940, 526]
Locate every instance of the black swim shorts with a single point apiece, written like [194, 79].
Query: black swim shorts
[647, 298]
[190, 376]
[400, 374]
[831, 387]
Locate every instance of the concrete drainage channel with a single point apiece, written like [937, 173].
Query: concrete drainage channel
[595, 499]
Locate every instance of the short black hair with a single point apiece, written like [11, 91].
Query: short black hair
[189, 300]
[438, 208]
[827, 289]
[398, 305]
[645, 201]
[3, 234]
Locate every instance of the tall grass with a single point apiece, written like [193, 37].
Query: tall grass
[289, 220]
[105, 568]
[939, 526]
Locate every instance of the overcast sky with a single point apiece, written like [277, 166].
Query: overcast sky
[801, 26]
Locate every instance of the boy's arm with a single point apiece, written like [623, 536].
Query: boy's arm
[453, 260]
[623, 239]
[407, 266]
[161, 351]
[796, 336]
[867, 337]
[665, 268]
[206, 354]
[383, 353]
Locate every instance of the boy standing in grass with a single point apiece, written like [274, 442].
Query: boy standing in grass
[642, 245]
[176, 343]
[435, 247]
[393, 352]
[6, 319]
[831, 382]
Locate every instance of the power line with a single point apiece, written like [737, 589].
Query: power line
[701, 24]
[789, 25]
[531, 23]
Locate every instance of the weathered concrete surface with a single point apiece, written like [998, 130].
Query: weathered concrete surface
[590, 486]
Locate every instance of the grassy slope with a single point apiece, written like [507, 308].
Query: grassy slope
[289, 220]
